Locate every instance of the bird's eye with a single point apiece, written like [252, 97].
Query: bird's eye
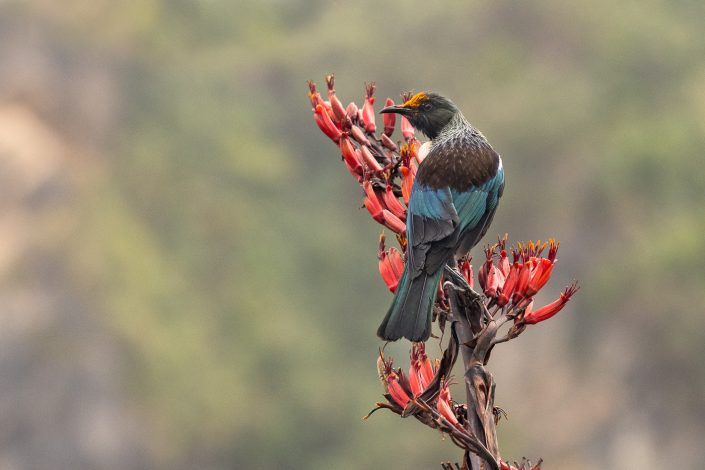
[426, 107]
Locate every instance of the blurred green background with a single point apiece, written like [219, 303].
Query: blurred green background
[186, 279]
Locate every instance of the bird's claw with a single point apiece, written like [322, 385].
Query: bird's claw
[456, 279]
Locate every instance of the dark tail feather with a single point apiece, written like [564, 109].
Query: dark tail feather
[411, 310]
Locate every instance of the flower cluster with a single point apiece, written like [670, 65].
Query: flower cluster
[384, 168]
[385, 171]
[511, 286]
[423, 391]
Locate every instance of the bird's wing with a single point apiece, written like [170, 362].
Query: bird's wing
[439, 219]
[430, 226]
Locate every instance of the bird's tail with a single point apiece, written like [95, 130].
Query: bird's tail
[412, 307]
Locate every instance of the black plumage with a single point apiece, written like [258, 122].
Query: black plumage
[453, 201]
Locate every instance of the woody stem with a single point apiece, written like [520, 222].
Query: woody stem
[475, 337]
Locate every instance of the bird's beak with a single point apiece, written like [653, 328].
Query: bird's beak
[397, 109]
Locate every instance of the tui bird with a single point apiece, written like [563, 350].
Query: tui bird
[453, 200]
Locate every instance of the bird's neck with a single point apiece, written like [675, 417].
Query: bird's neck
[457, 127]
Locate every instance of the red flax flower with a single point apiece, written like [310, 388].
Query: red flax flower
[351, 156]
[386, 171]
[407, 130]
[370, 162]
[391, 265]
[509, 285]
[390, 119]
[326, 124]
[444, 407]
[391, 380]
[398, 393]
[393, 204]
[466, 271]
[375, 206]
[543, 270]
[368, 110]
[420, 369]
[544, 313]
[335, 104]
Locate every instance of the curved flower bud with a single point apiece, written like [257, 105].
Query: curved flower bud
[393, 204]
[373, 204]
[547, 311]
[370, 161]
[393, 223]
[350, 154]
[388, 143]
[359, 135]
[326, 124]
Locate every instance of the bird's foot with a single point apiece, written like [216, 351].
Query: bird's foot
[456, 279]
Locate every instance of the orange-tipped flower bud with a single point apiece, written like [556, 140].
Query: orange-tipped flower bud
[326, 124]
[313, 95]
[407, 182]
[407, 130]
[553, 249]
[389, 119]
[393, 204]
[547, 311]
[370, 162]
[540, 276]
[368, 110]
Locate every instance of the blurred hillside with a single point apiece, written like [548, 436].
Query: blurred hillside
[186, 280]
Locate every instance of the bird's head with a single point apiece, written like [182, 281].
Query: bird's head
[427, 112]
